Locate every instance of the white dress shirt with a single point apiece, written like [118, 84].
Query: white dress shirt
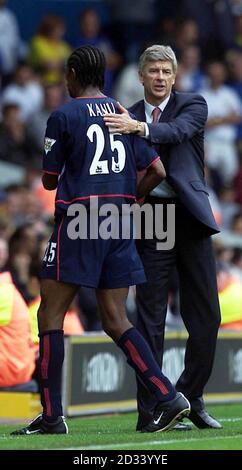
[149, 108]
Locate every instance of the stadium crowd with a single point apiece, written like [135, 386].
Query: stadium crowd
[209, 49]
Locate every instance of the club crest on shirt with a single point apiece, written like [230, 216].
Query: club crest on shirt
[48, 144]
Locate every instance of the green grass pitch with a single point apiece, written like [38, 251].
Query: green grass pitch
[118, 432]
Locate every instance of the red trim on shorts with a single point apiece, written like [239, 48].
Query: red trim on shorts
[47, 401]
[159, 384]
[83, 198]
[51, 173]
[58, 249]
[46, 357]
[136, 358]
[152, 163]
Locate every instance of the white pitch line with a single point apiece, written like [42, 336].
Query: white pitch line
[138, 444]
[230, 420]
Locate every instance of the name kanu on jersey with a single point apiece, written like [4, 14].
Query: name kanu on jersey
[100, 109]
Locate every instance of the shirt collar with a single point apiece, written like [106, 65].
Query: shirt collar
[149, 107]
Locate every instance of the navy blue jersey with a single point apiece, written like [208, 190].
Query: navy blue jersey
[90, 160]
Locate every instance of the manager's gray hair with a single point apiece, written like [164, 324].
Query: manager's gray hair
[158, 52]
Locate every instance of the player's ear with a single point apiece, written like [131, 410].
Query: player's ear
[73, 73]
[141, 77]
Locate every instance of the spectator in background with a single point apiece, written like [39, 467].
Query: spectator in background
[46, 198]
[166, 28]
[91, 35]
[17, 357]
[187, 34]
[23, 247]
[48, 51]
[215, 24]
[191, 77]
[25, 91]
[223, 253]
[53, 98]
[127, 86]
[133, 23]
[234, 61]
[23, 207]
[15, 146]
[224, 113]
[15, 199]
[10, 42]
[236, 225]
[229, 207]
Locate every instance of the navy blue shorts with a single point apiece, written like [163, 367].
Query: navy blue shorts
[106, 264]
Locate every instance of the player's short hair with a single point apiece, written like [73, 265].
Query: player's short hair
[158, 52]
[89, 64]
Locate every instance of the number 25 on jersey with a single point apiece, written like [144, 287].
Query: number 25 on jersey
[101, 166]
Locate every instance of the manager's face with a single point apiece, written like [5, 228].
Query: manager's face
[157, 77]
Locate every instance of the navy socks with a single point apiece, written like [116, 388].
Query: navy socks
[50, 368]
[140, 358]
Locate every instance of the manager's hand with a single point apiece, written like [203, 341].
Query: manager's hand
[123, 123]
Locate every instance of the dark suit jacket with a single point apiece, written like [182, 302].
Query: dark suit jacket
[180, 137]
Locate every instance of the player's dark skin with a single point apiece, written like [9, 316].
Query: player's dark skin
[57, 296]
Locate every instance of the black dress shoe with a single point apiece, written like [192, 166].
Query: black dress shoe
[203, 420]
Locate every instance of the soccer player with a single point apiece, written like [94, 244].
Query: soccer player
[83, 161]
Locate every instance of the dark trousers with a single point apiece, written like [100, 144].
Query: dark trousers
[193, 258]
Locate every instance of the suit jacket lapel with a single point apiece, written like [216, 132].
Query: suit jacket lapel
[167, 113]
[140, 112]
[165, 117]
